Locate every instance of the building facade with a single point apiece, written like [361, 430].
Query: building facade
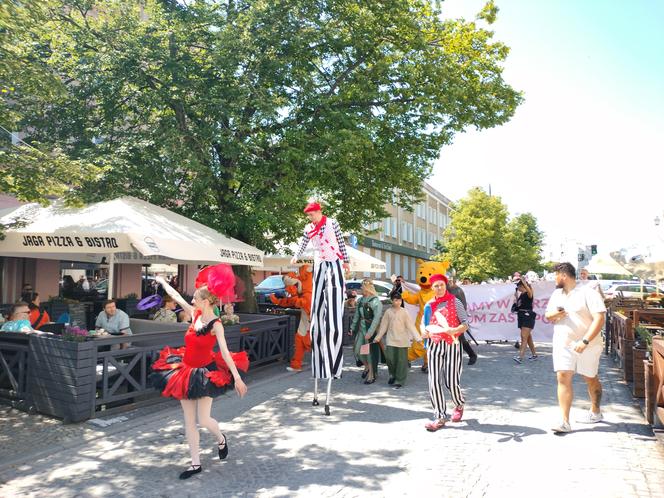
[405, 236]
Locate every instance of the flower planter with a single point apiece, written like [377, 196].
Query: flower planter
[62, 381]
[650, 389]
[639, 354]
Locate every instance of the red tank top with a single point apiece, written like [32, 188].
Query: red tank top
[198, 347]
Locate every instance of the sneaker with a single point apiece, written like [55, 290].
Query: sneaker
[562, 428]
[457, 414]
[291, 369]
[592, 418]
[435, 425]
[472, 360]
[517, 359]
[534, 357]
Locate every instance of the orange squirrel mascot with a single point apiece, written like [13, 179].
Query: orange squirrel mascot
[299, 287]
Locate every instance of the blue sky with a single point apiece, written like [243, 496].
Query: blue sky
[585, 152]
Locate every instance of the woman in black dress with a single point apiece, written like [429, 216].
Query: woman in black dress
[523, 304]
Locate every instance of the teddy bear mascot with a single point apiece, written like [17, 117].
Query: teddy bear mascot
[419, 297]
[327, 307]
[299, 288]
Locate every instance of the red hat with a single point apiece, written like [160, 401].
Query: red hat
[436, 278]
[312, 206]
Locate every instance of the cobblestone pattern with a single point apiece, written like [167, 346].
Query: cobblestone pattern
[373, 443]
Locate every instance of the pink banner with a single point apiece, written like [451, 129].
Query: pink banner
[490, 315]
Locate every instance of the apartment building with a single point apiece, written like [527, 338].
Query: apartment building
[405, 236]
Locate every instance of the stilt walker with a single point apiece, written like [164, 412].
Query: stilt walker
[330, 261]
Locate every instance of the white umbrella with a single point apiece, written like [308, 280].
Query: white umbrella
[646, 262]
[126, 229]
[359, 261]
[606, 265]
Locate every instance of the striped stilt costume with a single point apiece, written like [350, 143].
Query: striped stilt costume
[444, 320]
[328, 298]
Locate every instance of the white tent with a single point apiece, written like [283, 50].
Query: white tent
[359, 261]
[607, 265]
[126, 230]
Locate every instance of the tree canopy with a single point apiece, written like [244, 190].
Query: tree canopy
[481, 242]
[233, 112]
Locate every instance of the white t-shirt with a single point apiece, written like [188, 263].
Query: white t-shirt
[591, 284]
[580, 303]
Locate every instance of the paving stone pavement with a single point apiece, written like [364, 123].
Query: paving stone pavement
[372, 444]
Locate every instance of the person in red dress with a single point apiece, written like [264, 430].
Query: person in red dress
[194, 374]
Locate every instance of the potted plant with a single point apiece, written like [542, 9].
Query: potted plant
[639, 352]
[62, 381]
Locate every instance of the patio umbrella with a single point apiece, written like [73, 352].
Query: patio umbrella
[126, 230]
[645, 261]
[607, 265]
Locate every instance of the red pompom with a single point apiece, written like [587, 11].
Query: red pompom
[221, 281]
[202, 277]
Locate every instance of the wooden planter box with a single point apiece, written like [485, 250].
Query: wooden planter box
[638, 356]
[62, 379]
[650, 389]
[627, 360]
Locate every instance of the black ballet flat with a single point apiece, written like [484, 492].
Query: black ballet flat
[365, 373]
[223, 448]
[193, 469]
[370, 381]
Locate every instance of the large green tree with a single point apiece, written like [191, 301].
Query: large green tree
[481, 242]
[34, 172]
[234, 111]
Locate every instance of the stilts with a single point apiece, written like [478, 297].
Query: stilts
[328, 395]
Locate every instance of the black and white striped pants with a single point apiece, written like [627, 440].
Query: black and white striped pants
[445, 365]
[327, 309]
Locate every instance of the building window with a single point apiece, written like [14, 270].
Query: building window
[397, 264]
[388, 263]
[394, 228]
[386, 226]
[406, 268]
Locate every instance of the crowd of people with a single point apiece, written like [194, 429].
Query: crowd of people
[195, 374]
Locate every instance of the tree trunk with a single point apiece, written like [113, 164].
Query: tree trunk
[245, 289]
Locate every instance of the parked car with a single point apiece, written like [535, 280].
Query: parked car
[383, 288]
[634, 290]
[274, 284]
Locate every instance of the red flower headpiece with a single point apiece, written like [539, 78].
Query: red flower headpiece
[219, 280]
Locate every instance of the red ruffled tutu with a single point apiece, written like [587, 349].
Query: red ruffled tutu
[178, 380]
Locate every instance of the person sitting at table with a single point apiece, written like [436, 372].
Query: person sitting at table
[18, 319]
[38, 316]
[113, 320]
[167, 312]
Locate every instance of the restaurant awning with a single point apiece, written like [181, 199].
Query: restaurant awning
[126, 230]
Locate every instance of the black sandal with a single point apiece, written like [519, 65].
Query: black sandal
[223, 448]
[193, 469]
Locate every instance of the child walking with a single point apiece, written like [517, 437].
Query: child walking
[400, 331]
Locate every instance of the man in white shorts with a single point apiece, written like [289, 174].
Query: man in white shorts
[578, 314]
